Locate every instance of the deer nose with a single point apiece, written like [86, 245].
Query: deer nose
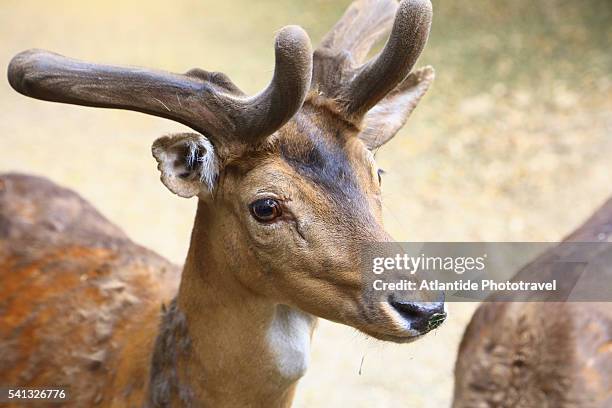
[422, 316]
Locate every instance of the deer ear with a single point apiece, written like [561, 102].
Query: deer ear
[187, 162]
[385, 119]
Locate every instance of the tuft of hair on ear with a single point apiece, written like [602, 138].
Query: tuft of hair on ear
[188, 163]
[201, 157]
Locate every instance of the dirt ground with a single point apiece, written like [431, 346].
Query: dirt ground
[513, 143]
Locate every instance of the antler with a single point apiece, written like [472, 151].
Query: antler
[208, 102]
[349, 41]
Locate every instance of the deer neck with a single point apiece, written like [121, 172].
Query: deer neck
[232, 347]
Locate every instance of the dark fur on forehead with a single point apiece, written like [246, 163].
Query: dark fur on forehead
[319, 155]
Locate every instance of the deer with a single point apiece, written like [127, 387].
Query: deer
[288, 196]
[539, 353]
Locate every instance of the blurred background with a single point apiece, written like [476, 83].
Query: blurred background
[512, 143]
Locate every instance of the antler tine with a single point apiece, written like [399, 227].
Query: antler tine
[363, 22]
[207, 102]
[264, 113]
[380, 75]
[52, 77]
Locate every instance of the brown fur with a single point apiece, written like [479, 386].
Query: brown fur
[555, 355]
[73, 289]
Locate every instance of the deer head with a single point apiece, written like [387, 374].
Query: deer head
[288, 188]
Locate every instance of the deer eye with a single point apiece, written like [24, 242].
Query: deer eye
[266, 209]
[380, 173]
